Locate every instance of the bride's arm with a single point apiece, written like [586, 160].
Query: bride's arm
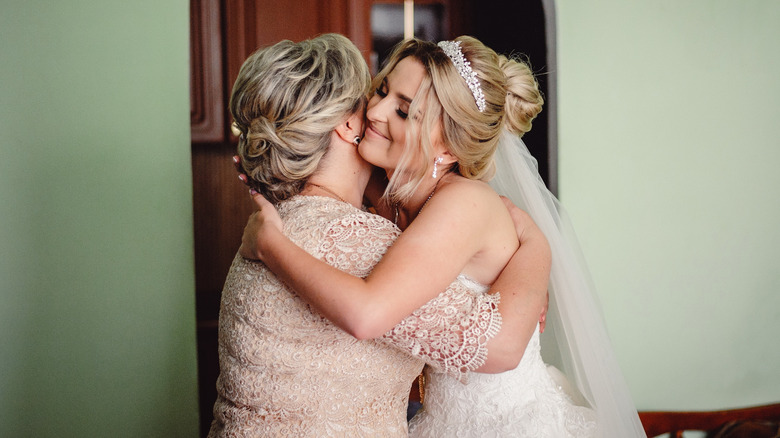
[459, 331]
[523, 287]
[421, 264]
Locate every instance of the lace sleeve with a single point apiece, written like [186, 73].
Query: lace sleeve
[450, 332]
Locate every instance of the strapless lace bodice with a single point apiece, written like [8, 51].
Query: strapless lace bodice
[524, 402]
[287, 371]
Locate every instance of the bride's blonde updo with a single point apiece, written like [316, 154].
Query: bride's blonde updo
[287, 100]
[512, 101]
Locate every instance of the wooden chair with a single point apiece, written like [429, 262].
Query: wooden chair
[659, 422]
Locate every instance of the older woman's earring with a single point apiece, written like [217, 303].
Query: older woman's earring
[436, 163]
[356, 140]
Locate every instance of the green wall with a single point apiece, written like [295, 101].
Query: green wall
[97, 322]
[669, 165]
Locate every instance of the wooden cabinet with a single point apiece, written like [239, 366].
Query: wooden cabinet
[224, 33]
[206, 90]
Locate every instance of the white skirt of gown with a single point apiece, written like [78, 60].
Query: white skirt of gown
[529, 401]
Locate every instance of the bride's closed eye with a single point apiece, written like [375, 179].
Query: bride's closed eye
[382, 93]
[402, 114]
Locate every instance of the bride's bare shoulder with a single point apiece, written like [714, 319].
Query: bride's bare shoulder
[473, 192]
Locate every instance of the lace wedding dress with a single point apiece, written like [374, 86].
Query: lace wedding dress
[287, 371]
[525, 402]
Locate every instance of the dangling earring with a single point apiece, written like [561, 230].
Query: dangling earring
[436, 163]
[356, 140]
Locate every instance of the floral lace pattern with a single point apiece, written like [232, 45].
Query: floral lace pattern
[524, 402]
[287, 371]
[430, 334]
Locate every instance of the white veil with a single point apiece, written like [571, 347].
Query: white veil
[580, 344]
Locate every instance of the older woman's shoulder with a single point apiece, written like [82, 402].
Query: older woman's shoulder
[330, 215]
[346, 237]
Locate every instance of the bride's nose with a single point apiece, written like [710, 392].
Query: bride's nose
[377, 109]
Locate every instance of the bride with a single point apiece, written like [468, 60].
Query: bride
[438, 115]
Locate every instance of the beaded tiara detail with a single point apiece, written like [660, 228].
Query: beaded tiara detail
[453, 51]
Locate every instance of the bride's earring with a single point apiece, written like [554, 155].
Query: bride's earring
[436, 163]
[356, 140]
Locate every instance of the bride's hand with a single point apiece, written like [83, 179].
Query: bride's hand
[259, 227]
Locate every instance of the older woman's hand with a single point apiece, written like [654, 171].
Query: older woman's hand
[526, 229]
[260, 227]
[525, 226]
[241, 175]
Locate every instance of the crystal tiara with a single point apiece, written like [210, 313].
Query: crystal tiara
[453, 51]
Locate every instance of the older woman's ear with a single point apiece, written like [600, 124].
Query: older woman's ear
[351, 131]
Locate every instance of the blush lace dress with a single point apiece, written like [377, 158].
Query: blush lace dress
[528, 401]
[287, 371]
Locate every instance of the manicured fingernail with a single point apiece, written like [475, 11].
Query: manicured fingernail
[235, 159]
[242, 177]
[252, 192]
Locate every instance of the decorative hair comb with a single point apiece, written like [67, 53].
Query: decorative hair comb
[453, 51]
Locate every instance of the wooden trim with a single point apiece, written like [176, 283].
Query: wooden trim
[416, 2]
[359, 26]
[660, 422]
[240, 41]
[206, 99]
[333, 16]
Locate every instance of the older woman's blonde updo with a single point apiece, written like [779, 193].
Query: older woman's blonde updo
[287, 100]
[512, 99]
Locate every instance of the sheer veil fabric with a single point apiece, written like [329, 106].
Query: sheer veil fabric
[576, 339]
